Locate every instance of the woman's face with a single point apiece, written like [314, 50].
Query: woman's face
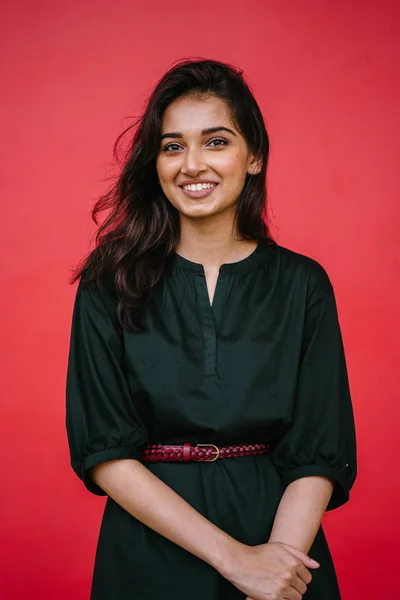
[186, 154]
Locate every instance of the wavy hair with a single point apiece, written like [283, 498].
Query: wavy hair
[142, 229]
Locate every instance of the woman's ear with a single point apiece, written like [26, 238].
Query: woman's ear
[255, 165]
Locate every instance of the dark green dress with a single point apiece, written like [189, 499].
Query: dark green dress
[264, 363]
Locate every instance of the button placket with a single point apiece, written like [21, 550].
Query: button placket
[208, 319]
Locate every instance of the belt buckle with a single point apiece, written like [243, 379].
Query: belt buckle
[216, 450]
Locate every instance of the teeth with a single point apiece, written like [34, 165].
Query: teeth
[199, 186]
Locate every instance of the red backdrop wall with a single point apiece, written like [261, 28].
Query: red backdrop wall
[326, 77]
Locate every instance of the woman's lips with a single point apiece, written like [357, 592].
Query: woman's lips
[199, 193]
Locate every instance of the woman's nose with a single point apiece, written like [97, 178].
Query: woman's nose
[194, 161]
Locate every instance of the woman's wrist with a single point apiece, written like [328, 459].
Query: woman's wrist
[228, 555]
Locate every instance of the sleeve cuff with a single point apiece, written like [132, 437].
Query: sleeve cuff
[104, 455]
[341, 491]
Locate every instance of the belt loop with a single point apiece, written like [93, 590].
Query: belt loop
[186, 452]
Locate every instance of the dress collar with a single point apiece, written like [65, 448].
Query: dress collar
[258, 255]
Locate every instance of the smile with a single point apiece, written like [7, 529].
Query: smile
[198, 190]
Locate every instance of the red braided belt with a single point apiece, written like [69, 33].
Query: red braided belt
[199, 452]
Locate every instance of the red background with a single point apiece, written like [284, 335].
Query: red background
[326, 76]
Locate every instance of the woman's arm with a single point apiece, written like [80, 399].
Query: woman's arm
[300, 511]
[254, 570]
[134, 487]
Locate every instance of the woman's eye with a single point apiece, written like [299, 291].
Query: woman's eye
[168, 146]
[220, 140]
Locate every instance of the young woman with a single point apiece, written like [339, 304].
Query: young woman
[207, 390]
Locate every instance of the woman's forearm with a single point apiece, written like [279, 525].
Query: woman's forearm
[154, 503]
[300, 511]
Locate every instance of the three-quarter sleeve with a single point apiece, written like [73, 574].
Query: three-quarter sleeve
[102, 422]
[321, 438]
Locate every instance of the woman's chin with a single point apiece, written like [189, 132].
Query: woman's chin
[199, 211]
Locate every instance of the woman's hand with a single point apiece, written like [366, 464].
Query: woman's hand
[270, 571]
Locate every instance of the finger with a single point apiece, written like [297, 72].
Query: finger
[303, 573]
[291, 594]
[302, 556]
[299, 586]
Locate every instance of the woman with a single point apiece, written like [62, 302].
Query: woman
[207, 391]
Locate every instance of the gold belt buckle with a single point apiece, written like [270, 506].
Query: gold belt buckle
[216, 450]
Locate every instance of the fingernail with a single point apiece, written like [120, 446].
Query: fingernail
[315, 562]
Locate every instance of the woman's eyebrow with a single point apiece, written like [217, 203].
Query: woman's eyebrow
[177, 134]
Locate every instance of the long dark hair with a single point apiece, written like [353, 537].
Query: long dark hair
[142, 228]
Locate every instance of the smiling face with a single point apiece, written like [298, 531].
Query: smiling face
[188, 153]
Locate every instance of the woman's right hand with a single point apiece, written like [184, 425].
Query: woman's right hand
[272, 571]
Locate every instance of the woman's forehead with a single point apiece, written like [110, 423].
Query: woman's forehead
[191, 115]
